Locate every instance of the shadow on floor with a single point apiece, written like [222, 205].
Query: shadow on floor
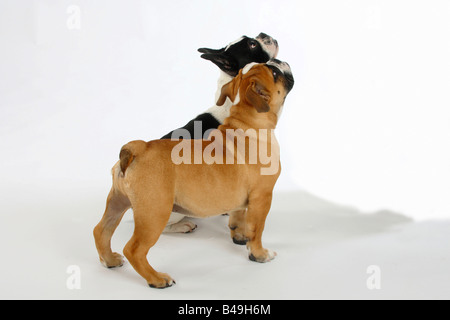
[319, 220]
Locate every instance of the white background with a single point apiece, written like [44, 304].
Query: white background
[367, 124]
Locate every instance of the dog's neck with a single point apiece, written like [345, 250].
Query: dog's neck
[246, 123]
[243, 116]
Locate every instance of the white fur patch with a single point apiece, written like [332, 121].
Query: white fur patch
[237, 98]
[269, 47]
[223, 80]
[283, 66]
[222, 112]
[280, 112]
[248, 67]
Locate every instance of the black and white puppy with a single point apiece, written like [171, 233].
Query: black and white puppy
[230, 60]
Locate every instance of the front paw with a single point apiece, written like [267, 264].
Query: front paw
[262, 256]
[161, 281]
[238, 236]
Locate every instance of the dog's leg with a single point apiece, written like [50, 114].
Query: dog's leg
[116, 205]
[150, 218]
[236, 223]
[177, 224]
[258, 208]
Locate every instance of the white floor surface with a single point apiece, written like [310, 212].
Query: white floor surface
[324, 252]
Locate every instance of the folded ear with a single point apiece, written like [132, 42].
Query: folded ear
[230, 90]
[225, 62]
[258, 96]
[207, 50]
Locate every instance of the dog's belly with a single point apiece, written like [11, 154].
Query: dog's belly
[209, 203]
[210, 192]
[191, 209]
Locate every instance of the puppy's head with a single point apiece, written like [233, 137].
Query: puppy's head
[263, 86]
[241, 52]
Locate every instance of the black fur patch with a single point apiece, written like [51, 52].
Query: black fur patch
[286, 77]
[236, 56]
[207, 120]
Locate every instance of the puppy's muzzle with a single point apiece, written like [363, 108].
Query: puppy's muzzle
[269, 43]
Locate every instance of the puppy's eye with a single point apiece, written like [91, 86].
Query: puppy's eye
[275, 75]
[252, 44]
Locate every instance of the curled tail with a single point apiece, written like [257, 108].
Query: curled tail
[129, 152]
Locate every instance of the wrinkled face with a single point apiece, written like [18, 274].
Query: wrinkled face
[241, 52]
[263, 86]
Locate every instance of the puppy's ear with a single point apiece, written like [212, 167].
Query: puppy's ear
[230, 90]
[212, 51]
[221, 59]
[258, 96]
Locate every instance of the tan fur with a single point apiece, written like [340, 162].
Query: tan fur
[147, 180]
